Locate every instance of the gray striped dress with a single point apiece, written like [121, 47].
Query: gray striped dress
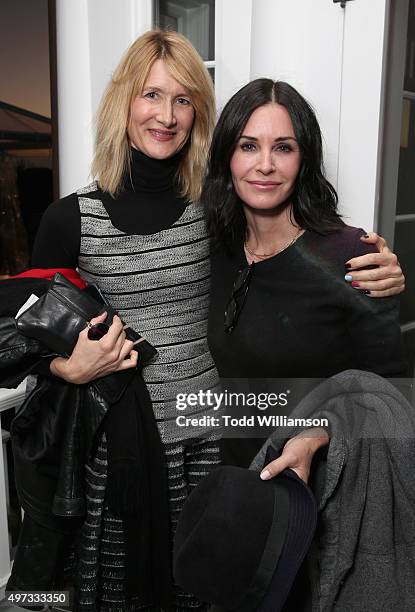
[159, 284]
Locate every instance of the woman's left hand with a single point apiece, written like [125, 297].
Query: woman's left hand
[298, 454]
[387, 279]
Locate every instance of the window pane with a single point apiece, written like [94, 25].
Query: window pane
[406, 179]
[193, 18]
[405, 250]
[410, 50]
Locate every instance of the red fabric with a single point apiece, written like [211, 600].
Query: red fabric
[71, 274]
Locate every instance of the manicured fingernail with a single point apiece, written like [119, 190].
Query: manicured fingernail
[265, 475]
[348, 266]
[348, 278]
[366, 291]
[355, 284]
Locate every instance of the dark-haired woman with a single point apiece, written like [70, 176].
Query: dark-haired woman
[279, 303]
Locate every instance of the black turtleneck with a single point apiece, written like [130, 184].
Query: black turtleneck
[148, 203]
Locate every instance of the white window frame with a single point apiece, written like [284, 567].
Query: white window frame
[233, 35]
[362, 108]
[181, 13]
[392, 122]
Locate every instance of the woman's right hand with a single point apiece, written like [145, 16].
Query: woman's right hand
[92, 359]
[298, 454]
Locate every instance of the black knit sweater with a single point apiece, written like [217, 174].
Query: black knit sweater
[300, 320]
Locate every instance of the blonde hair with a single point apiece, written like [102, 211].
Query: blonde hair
[112, 149]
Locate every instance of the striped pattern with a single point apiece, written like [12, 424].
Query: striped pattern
[100, 576]
[159, 283]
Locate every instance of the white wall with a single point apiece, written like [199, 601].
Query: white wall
[301, 42]
[74, 94]
[92, 35]
[233, 47]
[112, 26]
[361, 115]
[335, 57]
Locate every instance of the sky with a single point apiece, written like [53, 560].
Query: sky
[24, 54]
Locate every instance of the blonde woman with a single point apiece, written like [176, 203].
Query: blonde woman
[139, 233]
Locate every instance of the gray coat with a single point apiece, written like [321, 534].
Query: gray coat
[363, 554]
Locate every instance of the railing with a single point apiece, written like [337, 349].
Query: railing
[9, 398]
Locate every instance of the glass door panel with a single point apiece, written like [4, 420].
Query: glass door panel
[195, 19]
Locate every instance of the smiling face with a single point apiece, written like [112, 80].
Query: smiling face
[161, 116]
[267, 159]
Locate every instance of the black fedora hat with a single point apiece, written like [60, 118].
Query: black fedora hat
[240, 541]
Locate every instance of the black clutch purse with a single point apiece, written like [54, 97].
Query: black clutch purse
[60, 314]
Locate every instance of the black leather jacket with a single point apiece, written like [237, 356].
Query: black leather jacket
[54, 430]
[53, 436]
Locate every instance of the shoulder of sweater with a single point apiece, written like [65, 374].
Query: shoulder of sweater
[58, 236]
[343, 242]
[64, 210]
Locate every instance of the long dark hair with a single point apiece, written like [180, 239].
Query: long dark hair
[314, 199]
